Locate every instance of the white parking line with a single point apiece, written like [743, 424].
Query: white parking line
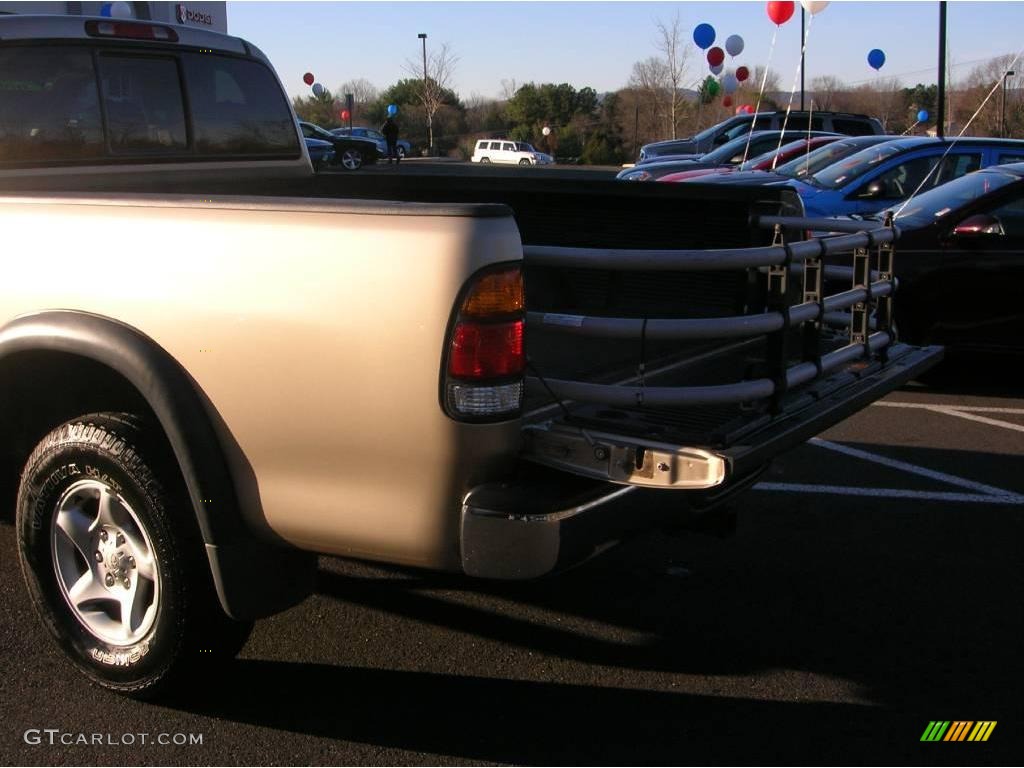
[968, 408]
[965, 412]
[984, 494]
[892, 493]
[913, 469]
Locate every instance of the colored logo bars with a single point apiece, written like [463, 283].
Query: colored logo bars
[958, 730]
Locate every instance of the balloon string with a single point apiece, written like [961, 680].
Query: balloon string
[796, 78]
[916, 123]
[764, 79]
[963, 130]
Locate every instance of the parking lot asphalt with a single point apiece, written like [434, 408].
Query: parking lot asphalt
[874, 585]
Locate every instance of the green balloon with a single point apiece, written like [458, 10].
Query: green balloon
[713, 87]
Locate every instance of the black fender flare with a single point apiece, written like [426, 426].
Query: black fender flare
[247, 568]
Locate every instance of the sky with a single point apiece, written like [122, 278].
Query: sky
[596, 43]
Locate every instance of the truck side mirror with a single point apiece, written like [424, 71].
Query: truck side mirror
[980, 225]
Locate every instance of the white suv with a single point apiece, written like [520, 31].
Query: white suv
[504, 151]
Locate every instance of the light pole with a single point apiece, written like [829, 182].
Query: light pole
[430, 128]
[1002, 112]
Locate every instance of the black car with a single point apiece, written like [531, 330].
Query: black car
[350, 152]
[960, 263]
[730, 153]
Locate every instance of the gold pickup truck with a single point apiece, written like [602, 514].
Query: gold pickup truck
[215, 365]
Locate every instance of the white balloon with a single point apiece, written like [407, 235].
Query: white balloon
[734, 45]
[318, 89]
[717, 70]
[814, 6]
[546, 131]
[121, 10]
[730, 83]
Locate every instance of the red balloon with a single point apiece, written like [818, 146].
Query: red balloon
[742, 73]
[344, 114]
[780, 11]
[716, 56]
[748, 109]
[308, 78]
[740, 111]
[727, 101]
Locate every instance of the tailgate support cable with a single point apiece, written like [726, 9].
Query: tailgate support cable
[551, 392]
[641, 369]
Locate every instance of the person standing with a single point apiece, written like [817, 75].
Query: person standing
[390, 131]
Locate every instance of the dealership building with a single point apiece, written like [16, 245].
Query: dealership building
[211, 16]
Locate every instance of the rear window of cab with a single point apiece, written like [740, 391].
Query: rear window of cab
[72, 104]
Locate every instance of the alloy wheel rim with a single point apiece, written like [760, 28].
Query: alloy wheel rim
[105, 564]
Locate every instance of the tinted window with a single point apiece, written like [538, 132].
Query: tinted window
[855, 166]
[821, 158]
[799, 123]
[738, 130]
[941, 201]
[142, 99]
[903, 179]
[496, 145]
[851, 127]
[237, 107]
[508, 147]
[1011, 216]
[955, 166]
[49, 105]
[1010, 158]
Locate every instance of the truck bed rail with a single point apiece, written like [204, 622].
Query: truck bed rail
[868, 301]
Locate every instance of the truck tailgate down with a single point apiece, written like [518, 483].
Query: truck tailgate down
[681, 369]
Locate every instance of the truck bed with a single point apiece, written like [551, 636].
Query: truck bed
[562, 212]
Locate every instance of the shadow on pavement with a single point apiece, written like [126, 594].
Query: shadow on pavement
[509, 721]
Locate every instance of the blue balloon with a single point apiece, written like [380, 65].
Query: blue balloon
[876, 58]
[922, 116]
[392, 110]
[704, 35]
[105, 9]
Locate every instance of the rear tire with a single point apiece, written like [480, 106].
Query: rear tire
[113, 560]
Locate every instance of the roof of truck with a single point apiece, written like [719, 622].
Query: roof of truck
[37, 28]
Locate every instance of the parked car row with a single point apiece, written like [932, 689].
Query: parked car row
[730, 154]
[845, 123]
[959, 204]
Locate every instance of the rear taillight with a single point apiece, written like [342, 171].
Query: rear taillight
[486, 355]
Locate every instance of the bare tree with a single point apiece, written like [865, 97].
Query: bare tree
[771, 83]
[440, 66]
[508, 89]
[362, 90]
[364, 93]
[674, 54]
[825, 89]
[650, 82]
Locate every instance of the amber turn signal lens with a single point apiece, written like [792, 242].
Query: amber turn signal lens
[495, 294]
